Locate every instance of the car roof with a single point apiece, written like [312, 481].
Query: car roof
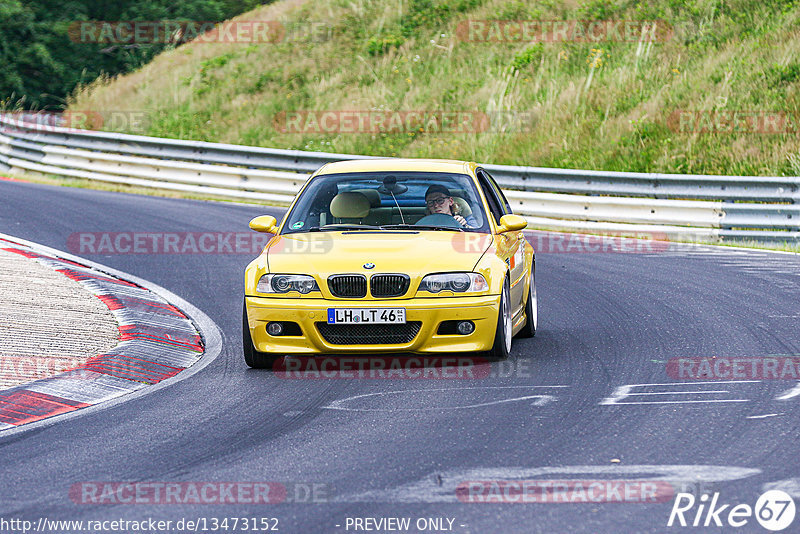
[397, 165]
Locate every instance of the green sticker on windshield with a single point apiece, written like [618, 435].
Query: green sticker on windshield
[298, 224]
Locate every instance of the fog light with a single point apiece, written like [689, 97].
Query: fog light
[466, 327]
[274, 329]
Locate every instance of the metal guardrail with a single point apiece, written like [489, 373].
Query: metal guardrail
[674, 206]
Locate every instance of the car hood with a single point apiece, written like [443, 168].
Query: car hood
[415, 253]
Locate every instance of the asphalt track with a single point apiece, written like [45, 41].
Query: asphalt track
[606, 320]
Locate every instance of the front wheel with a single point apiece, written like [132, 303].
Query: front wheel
[502, 337]
[252, 357]
[531, 310]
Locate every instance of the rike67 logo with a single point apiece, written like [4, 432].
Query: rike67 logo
[774, 510]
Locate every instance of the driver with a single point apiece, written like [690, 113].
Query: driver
[439, 200]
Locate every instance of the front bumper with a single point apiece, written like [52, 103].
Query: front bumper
[430, 312]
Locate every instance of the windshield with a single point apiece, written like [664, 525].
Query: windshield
[385, 200]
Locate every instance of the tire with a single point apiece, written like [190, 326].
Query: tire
[253, 358]
[502, 337]
[531, 310]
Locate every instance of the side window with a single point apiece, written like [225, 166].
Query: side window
[495, 204]
[499, 191]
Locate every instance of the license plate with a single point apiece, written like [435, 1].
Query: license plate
[366, 315]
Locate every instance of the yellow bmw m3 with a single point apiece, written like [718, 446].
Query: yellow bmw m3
[391, 256]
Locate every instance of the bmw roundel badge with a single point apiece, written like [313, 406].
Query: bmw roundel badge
[369, 265]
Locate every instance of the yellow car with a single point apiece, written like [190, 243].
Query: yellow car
[391, 256]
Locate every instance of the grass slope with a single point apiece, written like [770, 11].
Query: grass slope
[595, 106]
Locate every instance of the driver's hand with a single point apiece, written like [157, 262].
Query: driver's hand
[461, 220]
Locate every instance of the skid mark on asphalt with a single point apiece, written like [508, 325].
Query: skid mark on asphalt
[677, 388]
[443, 488]
[746, 261]
[789, 394]
[361, 403]
[790, 486]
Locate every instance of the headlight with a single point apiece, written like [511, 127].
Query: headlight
[284, 283]
[455, 282]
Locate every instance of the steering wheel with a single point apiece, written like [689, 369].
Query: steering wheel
[439, 219]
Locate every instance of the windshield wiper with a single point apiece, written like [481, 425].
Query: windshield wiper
[422, 227]
[337, 227]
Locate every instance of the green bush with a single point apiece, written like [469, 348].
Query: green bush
[532, 54]
[380, 44]
[432, 13]
[783, 74]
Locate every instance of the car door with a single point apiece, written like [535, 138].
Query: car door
[510, 245]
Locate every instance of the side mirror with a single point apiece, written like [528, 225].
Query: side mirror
[511, 223]
[265, 223]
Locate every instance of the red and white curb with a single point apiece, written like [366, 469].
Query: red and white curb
[158, 341]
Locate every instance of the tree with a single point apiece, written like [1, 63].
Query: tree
[42, 61]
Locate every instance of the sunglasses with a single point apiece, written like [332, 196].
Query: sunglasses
[436, 201]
